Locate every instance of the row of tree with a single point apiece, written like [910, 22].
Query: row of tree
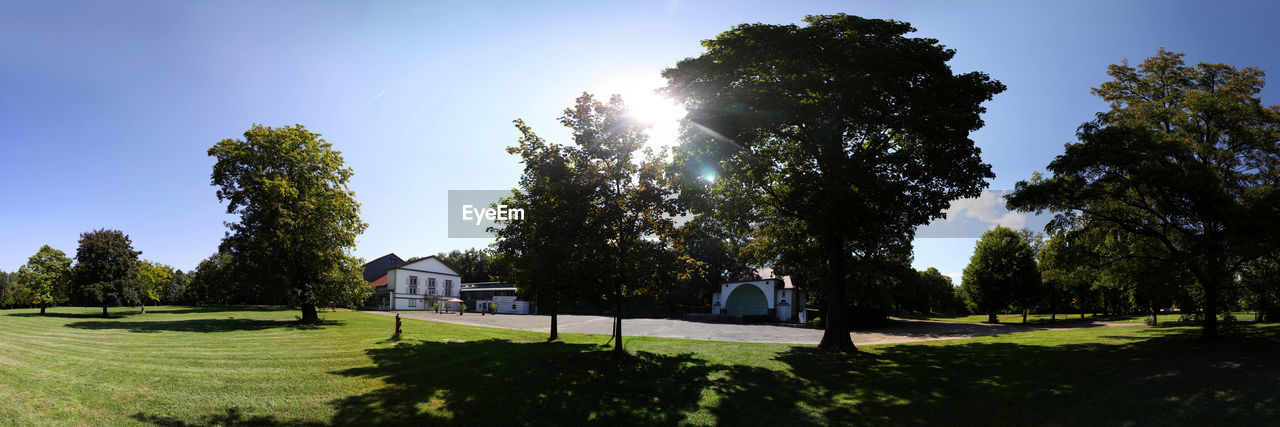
[1093, 270]
[106, 272]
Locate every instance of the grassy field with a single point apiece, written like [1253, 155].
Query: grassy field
[211, 366]
[1244, 316]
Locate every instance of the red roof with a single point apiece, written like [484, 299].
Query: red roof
[381, 281]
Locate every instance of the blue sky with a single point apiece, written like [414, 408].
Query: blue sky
[107, 108]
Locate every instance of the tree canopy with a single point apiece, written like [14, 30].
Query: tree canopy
[478, 265]
[842, 118]
[298, 218]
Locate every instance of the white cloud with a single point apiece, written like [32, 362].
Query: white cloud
[989, 208]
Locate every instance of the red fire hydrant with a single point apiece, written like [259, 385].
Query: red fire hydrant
[398, 330]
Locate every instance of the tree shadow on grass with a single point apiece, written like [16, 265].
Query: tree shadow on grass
[200, 325]
[214, 309]
[498, 382]
[233, 416]
[1171, 379]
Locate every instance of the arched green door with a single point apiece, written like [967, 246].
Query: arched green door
[747, 300]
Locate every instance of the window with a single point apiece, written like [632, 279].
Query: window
[431, 286]
[413, 303]
[413, 284]
[448, 288]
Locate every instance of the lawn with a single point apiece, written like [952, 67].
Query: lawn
[189, 365]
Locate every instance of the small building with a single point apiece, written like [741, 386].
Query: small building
[759, 293]
[504, 298]
[417, 285]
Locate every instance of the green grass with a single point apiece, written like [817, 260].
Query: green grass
[185, 365]
[1045, 318]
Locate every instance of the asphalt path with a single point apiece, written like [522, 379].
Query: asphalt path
[901, 331]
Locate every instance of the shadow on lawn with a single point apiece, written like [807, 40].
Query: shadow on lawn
[1174, 378]
[492, 382]
[199, 325]
[234, 416]
[214, 309]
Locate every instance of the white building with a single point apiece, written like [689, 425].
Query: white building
[760, 293]
[418, 285]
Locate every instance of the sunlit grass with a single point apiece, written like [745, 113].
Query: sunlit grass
[187, 365]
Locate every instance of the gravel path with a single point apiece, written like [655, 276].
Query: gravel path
[904, 331]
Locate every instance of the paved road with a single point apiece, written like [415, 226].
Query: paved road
[903, 332]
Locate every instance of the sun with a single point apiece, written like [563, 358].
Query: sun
[662, 114]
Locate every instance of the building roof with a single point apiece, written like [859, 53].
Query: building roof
[378, 267]
[763, 273]
[381, 281]
[442, 261]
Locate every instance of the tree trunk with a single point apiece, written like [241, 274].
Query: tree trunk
[1053, 305]
[1210, 308]
[835, 335]
[42, 310]
[555, 309]
[104, 311]
[1024, 315]
[309, 313]
[617, 321]
[1151, 308]
[143, 307]
[992, 317]
[1208, 276]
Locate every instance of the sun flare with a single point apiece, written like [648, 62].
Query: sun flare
[662, 114]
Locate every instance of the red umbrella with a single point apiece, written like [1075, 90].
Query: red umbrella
[454, 300]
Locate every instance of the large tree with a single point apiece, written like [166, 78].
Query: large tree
[106, 269]
[1001, 272]
[1186, 158]
[844, 128]
[45, 277]
[298, 218]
